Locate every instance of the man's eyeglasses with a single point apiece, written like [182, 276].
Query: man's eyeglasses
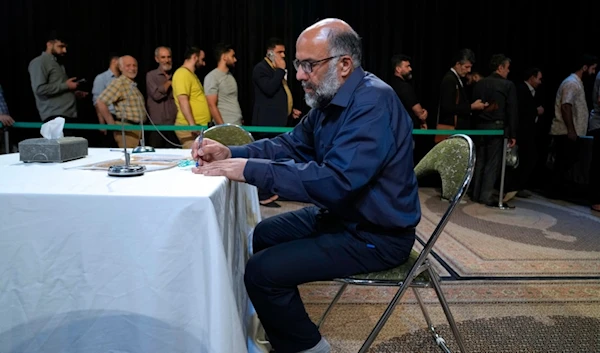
[307, 66]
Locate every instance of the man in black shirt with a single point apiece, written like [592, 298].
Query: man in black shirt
[406, 92]
[501, 113]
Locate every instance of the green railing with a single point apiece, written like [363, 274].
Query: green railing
[268, 129]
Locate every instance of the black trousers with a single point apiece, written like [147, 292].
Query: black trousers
[487, 167]
[306, 246]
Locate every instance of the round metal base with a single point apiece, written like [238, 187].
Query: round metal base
[126, 170]
[140, 149]
[504, 206]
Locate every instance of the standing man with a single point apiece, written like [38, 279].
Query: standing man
[406, 92]
[192, 108]
[455, 106]
[501, 113]
[54, 91]
[160, 102]
[273, 102]
[100, 83]
[351, 157]
[128, 101]
[570, 121]
[221, 88]
[530, 109]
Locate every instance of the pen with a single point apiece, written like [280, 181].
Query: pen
[199, 139]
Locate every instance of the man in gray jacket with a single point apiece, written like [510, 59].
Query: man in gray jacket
[53, 90]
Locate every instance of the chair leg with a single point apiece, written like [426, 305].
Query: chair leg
[446, 308]
[383, 319]
[439, 340]
[337, 297]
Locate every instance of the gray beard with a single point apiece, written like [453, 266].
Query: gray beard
[324, 93]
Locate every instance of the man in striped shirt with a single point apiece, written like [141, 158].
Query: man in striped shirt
[127, 99]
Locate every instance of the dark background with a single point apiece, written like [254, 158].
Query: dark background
[530, 32]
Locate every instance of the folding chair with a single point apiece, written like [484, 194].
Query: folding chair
[229, 135]
[454, 160]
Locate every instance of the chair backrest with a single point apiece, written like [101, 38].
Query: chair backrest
[229, 135]
[454, 160]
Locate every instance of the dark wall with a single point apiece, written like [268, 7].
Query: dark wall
[530, 32]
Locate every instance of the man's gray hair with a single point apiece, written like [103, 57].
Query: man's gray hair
[158, 50]
[345, 42]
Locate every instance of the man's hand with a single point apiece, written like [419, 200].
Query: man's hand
[540, 110]
[279, 62]
[72, 84]
[572, 135]
[512, 142]
[232, 168]
[81, 94]
[6, 120]
[423, 115]
[479, 105]
[296, 113]
[210, 151]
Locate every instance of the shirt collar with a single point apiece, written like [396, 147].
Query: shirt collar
[50, 55]
[530, 87]
[343, 95]
[110, 73]
[457, 76]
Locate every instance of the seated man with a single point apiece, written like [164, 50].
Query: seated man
[352, 158]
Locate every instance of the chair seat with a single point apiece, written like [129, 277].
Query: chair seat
[393, 276]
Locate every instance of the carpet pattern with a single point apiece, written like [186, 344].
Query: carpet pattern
[511, 316]
[536, 239]
[527, 314]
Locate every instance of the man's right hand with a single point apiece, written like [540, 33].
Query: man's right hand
[210, 151]
[279, 62]
[72, 84]
[572, 135]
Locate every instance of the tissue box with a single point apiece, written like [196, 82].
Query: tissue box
[55, 150]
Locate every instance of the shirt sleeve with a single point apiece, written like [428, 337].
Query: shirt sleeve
[38, 74]
[569, 93]
[211, 86]
[111, 93]
[182, 86]
[356, 155]
[297, 145]
[97, 88]
[407, 96]
[154, 89]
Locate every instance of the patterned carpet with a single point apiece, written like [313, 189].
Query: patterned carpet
[497, 262]
[525, 316]
[539, 238]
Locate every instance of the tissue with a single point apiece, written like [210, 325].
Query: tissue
[53, 129]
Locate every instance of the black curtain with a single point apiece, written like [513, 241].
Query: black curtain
[530, 32]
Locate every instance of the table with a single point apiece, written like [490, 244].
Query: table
[92, 263]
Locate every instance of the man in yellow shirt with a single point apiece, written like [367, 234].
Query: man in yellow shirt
[192, 107]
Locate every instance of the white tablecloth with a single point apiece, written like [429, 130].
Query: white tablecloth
[92, 263]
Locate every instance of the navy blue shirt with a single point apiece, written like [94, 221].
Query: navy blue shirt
[353, 158]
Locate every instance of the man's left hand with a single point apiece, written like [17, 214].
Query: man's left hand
[296, 113]
[231, 168]
[81, 94]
